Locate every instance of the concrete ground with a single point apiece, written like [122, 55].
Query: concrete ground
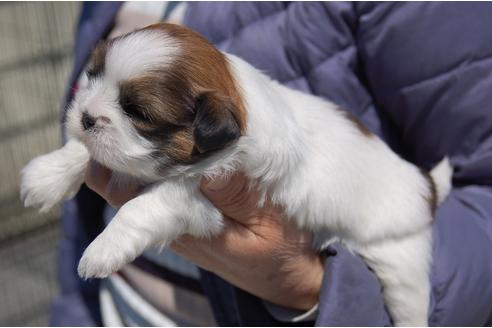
[28, 277]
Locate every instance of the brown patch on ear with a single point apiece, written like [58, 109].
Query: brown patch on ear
[98, 60]
[205, 68]
[357, 123]
[432, 197]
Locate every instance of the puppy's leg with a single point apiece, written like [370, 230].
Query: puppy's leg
[48, 179]
[159, 215]
[403, 268]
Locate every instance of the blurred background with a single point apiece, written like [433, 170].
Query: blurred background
[35, 62]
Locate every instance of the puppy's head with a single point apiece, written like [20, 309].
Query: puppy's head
[157, 98]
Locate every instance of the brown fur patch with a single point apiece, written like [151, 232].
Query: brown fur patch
[357, 123]
[205, 67]
[161, 103]
[181, 146]
[432, 197]
[162, 112]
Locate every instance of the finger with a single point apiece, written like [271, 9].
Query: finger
[233, 196]
[118, 195]
[234, 240]
[214, 187]
[97, 177]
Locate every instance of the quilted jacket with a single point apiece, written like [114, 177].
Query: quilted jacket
[420, 76]
[417, 74]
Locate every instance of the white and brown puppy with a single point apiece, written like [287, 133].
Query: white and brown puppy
[166, 108]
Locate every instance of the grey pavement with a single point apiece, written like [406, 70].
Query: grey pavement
[35, 61]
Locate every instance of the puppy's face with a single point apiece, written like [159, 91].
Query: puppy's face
[157, 98]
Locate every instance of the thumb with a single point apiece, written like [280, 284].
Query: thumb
[232, 196]
[97, 177]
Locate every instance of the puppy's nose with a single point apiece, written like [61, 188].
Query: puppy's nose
[87, 121]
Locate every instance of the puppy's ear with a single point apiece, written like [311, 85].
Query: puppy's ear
[215, 125]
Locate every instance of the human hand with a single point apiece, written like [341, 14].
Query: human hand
[259, 250]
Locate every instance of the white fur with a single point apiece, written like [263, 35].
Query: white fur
[51, 178]
[298, 149]
[142, 51]
[159, 215]
[441, 175]
[402, 266]
[116, 145]
[344, 186]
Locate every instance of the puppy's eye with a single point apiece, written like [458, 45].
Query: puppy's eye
[92, 74]
[132, 109]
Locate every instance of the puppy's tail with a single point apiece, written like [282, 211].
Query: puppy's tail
[441, 174]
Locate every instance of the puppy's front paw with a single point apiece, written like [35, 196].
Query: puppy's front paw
[40, 184]
[103, 257]
[48, 179]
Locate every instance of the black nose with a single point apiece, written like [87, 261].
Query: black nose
[88, 121]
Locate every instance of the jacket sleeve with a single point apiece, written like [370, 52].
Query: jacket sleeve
[461, 287]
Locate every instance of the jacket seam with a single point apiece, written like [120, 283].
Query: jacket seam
[460, 65]
[241, 28]
[315, 66]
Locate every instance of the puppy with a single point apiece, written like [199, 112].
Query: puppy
[165, 108]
